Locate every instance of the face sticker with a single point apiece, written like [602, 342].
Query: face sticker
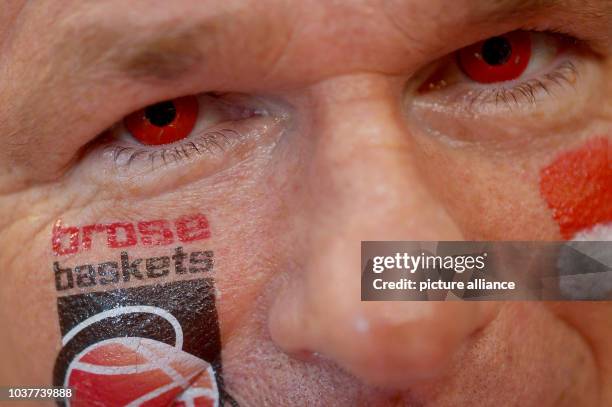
[126, 269]
[138, 330]
[67, 240]
[154, 345]
[577, 187]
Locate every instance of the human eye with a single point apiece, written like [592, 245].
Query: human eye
[507, 84]
[167, 132]
[192, 136]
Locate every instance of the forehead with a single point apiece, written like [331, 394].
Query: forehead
[246, 44]
[286, 38]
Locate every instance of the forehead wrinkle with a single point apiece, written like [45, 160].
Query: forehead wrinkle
[156, 53]
[430, 26]
[594, 9]
[152, 48]
[164, 56]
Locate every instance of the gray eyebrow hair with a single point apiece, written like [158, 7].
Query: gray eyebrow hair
[502, 9]
[167, 50]
[588, 8]
[163, 51]
[166, 56]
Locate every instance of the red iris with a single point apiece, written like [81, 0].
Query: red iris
[497, 59]
[164, 122]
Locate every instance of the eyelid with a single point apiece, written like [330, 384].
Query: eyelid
[558, 100]
[544, 48]
[215, 131]
[211, 150]
[242, 144]
[555, 64]
[212, 111]
[209, 142]
[527, 95]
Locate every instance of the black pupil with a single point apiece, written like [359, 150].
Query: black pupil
[496, 51]
[161, 114]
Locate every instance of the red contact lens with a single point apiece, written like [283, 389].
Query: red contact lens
[497, 59]
[164, 122]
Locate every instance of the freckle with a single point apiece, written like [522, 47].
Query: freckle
[577, 186]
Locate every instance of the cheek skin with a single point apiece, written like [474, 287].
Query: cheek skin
[577, 187]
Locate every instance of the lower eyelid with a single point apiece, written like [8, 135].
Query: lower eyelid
[213, 132]
[212, 110]
[211, 142]
[532, 90]
[212, 153]
[574, 96]
[554, 69]
[471, 99]
[227, 148]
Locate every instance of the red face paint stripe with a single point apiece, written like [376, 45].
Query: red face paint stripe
[577, 187]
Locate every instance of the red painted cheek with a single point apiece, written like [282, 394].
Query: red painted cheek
[577, 187]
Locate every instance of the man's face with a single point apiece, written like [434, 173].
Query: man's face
[317, 125]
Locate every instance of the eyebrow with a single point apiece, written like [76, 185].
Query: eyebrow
[166, 52]
[459, 23]
[159, 52]
[573, 11]
[167, 56]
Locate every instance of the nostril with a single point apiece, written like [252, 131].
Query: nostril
[396, 345]
[393, 357]
[393, 345]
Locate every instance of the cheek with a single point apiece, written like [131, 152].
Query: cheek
[577, 187]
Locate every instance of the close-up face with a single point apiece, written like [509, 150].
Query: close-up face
[185, 186]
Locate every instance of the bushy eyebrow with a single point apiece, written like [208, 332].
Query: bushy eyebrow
[587, 19]
[592, 18]
[166, 49]
[165, 53]
[160, 50]
[166, 56]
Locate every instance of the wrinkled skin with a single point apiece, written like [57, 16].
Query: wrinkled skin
[347, 153]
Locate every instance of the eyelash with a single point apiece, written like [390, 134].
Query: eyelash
[208, 143]
[512, 93]
[564, 74]
[212, 139]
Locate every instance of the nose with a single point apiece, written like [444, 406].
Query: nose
[361, 181]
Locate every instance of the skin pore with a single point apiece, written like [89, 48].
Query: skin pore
[313, 136]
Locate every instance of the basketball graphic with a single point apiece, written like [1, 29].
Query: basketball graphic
[144, 346]
[140, 372]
